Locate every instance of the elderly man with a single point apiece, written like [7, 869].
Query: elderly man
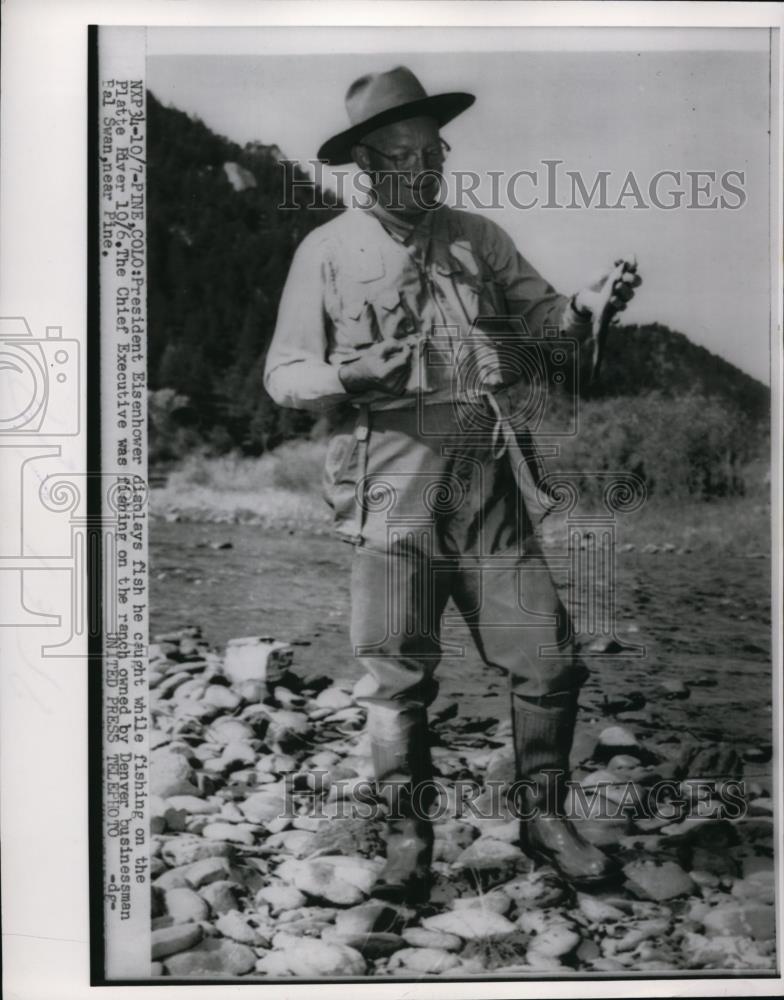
[420, 316]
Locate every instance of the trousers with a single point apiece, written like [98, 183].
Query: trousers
[440, 516]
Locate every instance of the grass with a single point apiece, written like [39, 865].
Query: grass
[282, 490]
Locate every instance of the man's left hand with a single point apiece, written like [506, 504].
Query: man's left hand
[612, 292]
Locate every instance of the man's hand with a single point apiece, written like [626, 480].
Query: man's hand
[611, 293]
[383, 367]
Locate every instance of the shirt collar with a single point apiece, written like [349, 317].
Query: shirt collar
[405, 231]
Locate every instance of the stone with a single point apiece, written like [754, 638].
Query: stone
[192, 804]
[237, 833]
[220, 696]
[206, 871]
[554, 941]
[217, 956]
[222, 896]
[469, 924]
[540, 889]
[342, 881]
[759, 886]
[296, 842]
[257, 658]
[658, 881]
[171, 774]
[635, 935]
[425, 961]
[615, 740]
[233, 924]
[754, 920]
[333, 698]
[420, 937]
[496, 901]
[315, 959]
[674, 688]
[597, 911]
[185, 850]
[185, 905]
[486, 852]
[726, 952]
[368, 917]
[623, 762]
[170, 940]
[373, 946]
[266, 805]
[237, 753]
[228, 730]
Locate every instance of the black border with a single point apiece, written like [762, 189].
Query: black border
[94, 561]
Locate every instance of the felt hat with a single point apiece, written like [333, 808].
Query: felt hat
[378, 99]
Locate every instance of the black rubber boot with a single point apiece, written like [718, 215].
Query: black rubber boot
[543, 734]
[402, 764]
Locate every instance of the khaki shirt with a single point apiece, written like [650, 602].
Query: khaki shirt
[454, 283]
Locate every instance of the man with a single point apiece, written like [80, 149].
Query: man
[424, 318]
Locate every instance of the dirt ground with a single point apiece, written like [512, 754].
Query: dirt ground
[703, 619]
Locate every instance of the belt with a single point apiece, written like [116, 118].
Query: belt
[517, 443]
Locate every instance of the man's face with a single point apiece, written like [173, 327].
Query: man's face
[405, 161]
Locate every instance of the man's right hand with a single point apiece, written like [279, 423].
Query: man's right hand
[384, 367]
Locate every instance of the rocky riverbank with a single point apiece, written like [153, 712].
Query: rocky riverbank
[256, 875]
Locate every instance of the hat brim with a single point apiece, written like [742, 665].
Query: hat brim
[442, 107]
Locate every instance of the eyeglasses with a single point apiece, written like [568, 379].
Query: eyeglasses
[411, 158]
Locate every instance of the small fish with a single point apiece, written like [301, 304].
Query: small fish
[603, 321]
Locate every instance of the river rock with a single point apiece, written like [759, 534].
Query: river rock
[214, 956]
[754, 920]
[760, 887]
[726, 952]
[185, 905]
[314, 959]
[238, 753]
[554, 941]
[334, 699]
[469, 924]
[192, 804]
[266, 805]
[233, 924]
[220, 696]
[185, 850]
[372, 946]
[342, 881]
[426, 961]
[296, 842]
[179, 937]
[222, 896]
[539, 889]
[496, 901]
[658, 881]
[367, 918]
[171, 774]
[615, 740]
[206, 871]
[635, 935]
[486, 852]
[597, 911]
[237, 833]
[420, 937]
[228, 730]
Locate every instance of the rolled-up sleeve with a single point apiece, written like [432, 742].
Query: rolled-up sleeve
[297, 373]
[527, 293]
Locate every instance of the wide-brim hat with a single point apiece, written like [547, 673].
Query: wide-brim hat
[379, 99]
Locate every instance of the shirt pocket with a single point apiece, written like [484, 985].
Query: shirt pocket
[374, 311]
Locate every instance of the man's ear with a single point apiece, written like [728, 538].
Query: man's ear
[361, 157]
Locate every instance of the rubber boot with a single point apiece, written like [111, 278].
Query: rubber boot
[543, 734]
[402, 764]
